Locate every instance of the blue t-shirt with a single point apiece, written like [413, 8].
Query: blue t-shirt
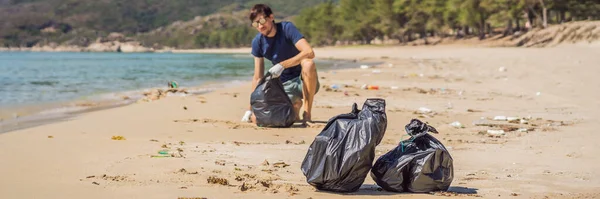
[279, 48]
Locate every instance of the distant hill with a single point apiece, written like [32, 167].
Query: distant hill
[81, 22]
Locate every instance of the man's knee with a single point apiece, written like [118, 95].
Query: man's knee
[308, 66]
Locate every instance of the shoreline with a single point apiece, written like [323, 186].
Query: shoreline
[43, 113]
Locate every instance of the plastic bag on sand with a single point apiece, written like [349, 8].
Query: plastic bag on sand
[340, 157]
[420, 164]
[270, 104]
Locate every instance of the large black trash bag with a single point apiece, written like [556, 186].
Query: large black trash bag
[270, 104]
[340, 157]
[420, 164]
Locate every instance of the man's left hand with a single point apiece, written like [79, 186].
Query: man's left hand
[276, 70]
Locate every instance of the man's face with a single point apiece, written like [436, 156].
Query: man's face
[263, 24]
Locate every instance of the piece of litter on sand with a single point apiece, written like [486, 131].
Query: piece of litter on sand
[500, 118]
[376, 71]
[538, 93]
[457, 124]
[163, 152]
[495, 132]
[364, 66]
[425, 110]
[502, 69]
[117, 138]
[512, 119]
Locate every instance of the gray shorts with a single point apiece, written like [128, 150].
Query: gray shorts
[293, 88]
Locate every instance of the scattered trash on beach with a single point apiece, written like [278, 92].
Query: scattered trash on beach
[505, 118]
[117, 138]
[334, 87]
[500, 118]
[538, 93]
[163, 152]
[495, 132]
[369, 87]
[457, 124]
[50, 136]
[525, 130]
[364, 67]
[424, 110]
[502, 69]
[376, 71]
[168, 154]
[157, 94]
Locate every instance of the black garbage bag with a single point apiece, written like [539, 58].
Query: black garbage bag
[340, 157]
[420, 164]
[270, 104]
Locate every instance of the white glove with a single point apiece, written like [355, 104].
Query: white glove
[246, 117]
[276, 70]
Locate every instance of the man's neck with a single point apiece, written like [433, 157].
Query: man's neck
[273, 31]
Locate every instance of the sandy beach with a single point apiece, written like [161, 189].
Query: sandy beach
[214, 155]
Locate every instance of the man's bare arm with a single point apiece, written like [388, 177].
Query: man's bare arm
[306, 52]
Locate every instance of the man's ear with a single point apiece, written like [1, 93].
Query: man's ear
[272, 17]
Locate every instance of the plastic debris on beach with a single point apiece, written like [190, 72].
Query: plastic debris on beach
[425, 110]
[369, 87]
[117, 137]
[457, 124]
[157, 94]
[495, 132]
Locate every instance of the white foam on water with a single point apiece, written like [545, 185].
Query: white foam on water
[62, 110]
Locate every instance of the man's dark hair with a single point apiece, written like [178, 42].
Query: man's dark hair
[260, 9]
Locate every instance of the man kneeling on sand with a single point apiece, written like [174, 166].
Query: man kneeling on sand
[291, 55]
